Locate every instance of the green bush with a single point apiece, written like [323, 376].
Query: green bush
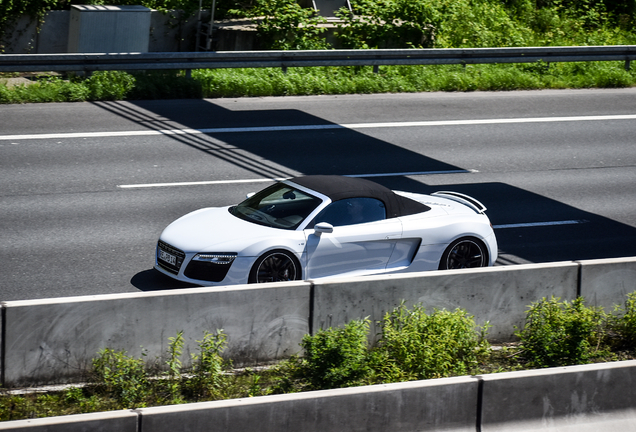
[336, 357]
[413, 345]
[173, 373]
[109, 85]
[624, 324]
[562, 333]
[385, 24]
[121, 376]
[284, 25]
[207, 374]
[169, 84]
[417, 345]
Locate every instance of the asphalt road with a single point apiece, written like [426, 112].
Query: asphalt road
[88, 187]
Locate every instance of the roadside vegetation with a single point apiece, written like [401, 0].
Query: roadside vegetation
[283, 24]
[413, 345]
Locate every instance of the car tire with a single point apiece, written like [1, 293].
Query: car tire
[275, 266]
[466, 252]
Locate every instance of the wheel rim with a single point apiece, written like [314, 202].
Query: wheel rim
[277, 267]
[465, 254]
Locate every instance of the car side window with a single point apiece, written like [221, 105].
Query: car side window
[352, 211]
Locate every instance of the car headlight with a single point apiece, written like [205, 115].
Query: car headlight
[215, 258]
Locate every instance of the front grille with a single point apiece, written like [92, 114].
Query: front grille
[207, 271]
[166, 265]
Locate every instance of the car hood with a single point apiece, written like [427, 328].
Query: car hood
[213, 230]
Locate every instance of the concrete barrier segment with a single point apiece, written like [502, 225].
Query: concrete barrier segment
[112, 421]
[447, 404]
[54, 340]
[499, 295]
[589, 398]
[606, 282]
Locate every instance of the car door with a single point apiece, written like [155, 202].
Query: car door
[362, 239]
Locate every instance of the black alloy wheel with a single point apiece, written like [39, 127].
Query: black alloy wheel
[464, 253]
[275, 266]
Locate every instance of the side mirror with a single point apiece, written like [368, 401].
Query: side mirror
[250, 195]
[323, 227]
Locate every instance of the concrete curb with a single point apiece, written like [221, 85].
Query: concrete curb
[589, 398]
[443, 404]
[112, 421]
[597, 397]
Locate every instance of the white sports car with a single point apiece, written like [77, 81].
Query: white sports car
[323, 226]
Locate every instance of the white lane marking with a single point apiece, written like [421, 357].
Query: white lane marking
[414, 173]
[314, 127]
[540, 224]
[198, 183]
[263, 180]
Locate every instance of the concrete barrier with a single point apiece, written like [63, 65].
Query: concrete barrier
[497, 294]
[115, 421]
[607, 282]
[55, 339]
[447, 404]
[590, 398]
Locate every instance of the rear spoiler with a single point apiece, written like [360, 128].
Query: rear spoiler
[463, 199]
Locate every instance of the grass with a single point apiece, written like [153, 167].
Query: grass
[410, 79]
[227, 83]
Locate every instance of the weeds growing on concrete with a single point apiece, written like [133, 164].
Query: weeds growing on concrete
[422, 346]
[413, 344]
[562, 333]
[121, 377]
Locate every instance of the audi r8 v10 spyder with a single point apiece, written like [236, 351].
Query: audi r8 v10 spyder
[324, 226]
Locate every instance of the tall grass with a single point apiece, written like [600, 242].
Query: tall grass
[409, 79]
[227, 83]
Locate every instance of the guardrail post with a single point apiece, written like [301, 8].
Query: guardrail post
[627, 64]
[3, 342]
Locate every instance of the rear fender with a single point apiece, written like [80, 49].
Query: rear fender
[466, 200]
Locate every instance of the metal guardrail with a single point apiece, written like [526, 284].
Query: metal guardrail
[89, 62]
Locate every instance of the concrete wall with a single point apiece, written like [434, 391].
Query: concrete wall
[497, 294]
[54, 340]
[116, 421]
[589, 398]
[166, 34]
[607, 282]
[446, 404]
[53, 36]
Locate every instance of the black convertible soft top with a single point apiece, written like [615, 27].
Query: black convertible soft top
[339, 187]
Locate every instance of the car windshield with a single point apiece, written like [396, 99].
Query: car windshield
[278, 206]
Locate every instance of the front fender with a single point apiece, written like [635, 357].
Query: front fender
[294, 243]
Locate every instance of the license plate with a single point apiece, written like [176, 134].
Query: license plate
[169, 258]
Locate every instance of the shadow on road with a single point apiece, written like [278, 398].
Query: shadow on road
[337, 150]
[152, 280]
